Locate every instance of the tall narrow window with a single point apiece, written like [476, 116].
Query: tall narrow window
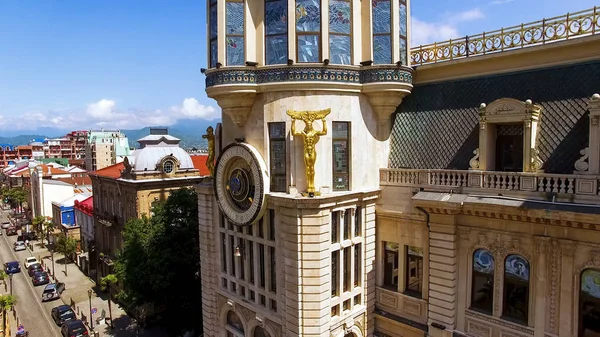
[509, 147]
[589, 304]
[340, 32]
[335, 226]
[278, 157]
[382, 29]
[335, 277]
[273, 269]
[403, 33]
[213, 34]
[358, 221]
[223, 253]
[347, 268]
[516, 289]
[390, 268]
[251, 258]
[341, 153]
[347, 223]
[261, 259]
[482, 287]
[357, 265]
[308, 30]
[234, 10]
[232, 256]
[414, 271]
[276, 32]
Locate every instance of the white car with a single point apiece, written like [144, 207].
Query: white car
[5, 225]
[29, 261]
[20, 245]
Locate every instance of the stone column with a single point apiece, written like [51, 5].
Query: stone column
[594, 140]
[208, 214]
[463, 270]
[541, 276]
[565, 325]
[442, 277]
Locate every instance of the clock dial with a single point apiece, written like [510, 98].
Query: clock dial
[240, 176]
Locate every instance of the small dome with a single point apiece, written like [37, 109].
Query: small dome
[149, 157]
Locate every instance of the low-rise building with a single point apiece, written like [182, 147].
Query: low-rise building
[63, 215]
[84, 218]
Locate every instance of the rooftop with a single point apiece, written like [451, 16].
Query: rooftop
[70, 201]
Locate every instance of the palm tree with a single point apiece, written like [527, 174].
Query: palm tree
[6, 303]
[106, 283]
[3, 276]
[49, 225]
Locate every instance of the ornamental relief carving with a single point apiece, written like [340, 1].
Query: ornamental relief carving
[553, 290]
[594, 262]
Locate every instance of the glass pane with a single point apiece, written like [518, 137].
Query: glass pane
[276, 17]
[334, 272]
[382, 49]
[482, 292]
[381, 16]
[415, 251]
[590, 283]
[260, 332]
[278, 157]
[340, 156]
[340, 130]
[347, 269]
[308, 48]
[276, 130]
[516, 300]
[339, 16]
[339, 49]
[334, 226]
[357, 265]
[235, 50]
[390, 270]
[278, 184]
[517, 267]
[213, 22]
[403, 19]
[234, 321]
[340, 182]
[308, 15]
[403, 52]
[235, 18]
[213, 53]
[483, 261]
[276, 49]
[414, 273]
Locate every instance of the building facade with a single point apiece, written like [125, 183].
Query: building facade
[84, 218]
[458, 195]
[129, 189]
[105, 148]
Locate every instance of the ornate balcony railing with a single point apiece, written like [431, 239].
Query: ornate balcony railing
[457, 180]
[560, 28]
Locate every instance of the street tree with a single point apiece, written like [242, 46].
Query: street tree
[3, 277]
[6, 303]
[160, 262]
[38, 226]
[49, 227]
[106, 283]
[67, 246]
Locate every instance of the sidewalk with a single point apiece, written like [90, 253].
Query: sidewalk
[77, 285]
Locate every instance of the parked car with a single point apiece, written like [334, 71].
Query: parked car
[12, 230]
[62, 314]
[12, 267]
[20, 245]
[53, 291]
[30, 260]
[40, 278]
[34, 268]
[5, 224]
[73, 329]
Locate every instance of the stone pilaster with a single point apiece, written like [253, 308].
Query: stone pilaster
[369, 269]
[567, 251]
[541, 277]
[208, 220]
[463, 269]
[443, 270]
[594, 136]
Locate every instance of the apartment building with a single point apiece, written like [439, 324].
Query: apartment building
[105, 148]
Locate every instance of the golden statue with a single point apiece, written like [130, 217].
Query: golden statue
[210, 161]
[311, 138]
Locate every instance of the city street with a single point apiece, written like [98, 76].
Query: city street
[32, 313]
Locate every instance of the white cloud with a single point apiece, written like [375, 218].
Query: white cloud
[500, 2]
[106, 114]
[423, 32]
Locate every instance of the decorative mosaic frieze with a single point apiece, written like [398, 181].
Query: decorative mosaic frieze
[308, 74]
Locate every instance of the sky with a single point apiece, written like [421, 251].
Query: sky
[73, 64]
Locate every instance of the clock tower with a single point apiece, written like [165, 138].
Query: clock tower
[287, 226]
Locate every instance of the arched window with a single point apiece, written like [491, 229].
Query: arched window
[260, 332]
[516, 289]
[482, 287]
[234, 325]
[589, 304]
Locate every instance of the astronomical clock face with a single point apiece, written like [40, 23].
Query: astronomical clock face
[241, 183]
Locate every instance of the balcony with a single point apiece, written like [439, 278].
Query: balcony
[537, 186]
[560, 28]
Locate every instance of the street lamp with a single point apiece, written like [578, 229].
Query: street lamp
[91, 317]
[10, 276]
[52, 257]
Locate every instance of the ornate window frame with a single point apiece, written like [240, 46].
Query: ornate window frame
[508, 111]
[233, 35]
[275, 35]
[164, 160]
[318, 34]
[340, 34]
[592, 263]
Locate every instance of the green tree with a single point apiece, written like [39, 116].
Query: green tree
[38, 226]
[106, 283]
[6, 303]
[160, 261]
[17, 196]
[3, 277]
[49, 227]
[67, 246]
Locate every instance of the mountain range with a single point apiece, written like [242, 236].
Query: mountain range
[189, 131]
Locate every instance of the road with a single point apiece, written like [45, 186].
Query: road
[33, 314]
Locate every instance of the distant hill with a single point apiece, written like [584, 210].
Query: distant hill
[190, 132]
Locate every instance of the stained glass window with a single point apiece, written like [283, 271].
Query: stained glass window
[234, 10]
[382, 29]
[341, 153]
[213, 33]
[516, 289]
[277, 157]
[589, 303]
[482, 287]
[308, 30]
[276, 32]
[403, 33]
[340, 30]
